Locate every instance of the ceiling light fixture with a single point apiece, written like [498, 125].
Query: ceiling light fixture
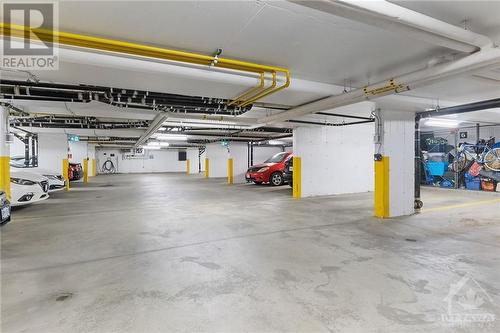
[172, 137]
[441, 122]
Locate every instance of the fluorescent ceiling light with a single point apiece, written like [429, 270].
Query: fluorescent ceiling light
[441, 122]
[151, 147]
[172, 137]
[275, 142]
[164, 144]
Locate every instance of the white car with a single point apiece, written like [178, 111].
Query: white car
[56, 180]
[27, 188]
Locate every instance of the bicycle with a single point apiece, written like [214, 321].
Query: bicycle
[481, 153]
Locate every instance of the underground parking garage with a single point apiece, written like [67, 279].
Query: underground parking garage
[262, 166]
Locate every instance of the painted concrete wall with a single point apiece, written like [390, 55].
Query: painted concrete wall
[152, 161]
[218, 156]
[81, 150]
[335, 160]
[398, 143]
[52, 149]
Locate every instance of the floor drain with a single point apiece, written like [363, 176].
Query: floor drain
[63, 297]
[410, 240]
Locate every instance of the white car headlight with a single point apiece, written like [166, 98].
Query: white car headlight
[20, 181]
[264, 169]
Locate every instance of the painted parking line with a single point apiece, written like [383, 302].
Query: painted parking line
[463, 205]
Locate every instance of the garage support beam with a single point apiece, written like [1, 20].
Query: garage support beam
[394, 163]
[4, 151]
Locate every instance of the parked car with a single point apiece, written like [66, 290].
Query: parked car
[75, 171]
[4, 208]
[288, 172]
[271, 171]
[27, 188]
[56, 180]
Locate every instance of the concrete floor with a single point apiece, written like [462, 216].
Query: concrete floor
[168, 252]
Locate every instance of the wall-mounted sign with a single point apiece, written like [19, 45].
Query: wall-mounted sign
[73, 138]
[463, 135]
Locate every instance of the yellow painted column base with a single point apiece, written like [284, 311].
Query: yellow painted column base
[230, 171]
[297, 177]
[65, 170]
[188, 167]
[85, 170]
[381, 205]
[5, 175]
[94, 168]
[207, 167]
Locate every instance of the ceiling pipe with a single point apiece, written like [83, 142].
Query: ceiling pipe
[68, 39]
[487, 57]
[156, 123]
[394, 18]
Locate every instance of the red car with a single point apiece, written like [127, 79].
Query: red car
[271, 171]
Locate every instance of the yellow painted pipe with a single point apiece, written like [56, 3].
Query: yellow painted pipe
[262, 93]
[230, 171]
[65, 172]
[94, 167]
[381, 196]
[85, 170]
[297, 178]
[207, 167]
[285, 85]
[251, 91]
[188, 166]
[5, 175]
[111, 45]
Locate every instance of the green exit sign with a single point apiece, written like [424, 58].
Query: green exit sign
[74, 138]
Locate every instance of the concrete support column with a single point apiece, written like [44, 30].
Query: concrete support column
[188, 167]
[4, 151]
[395, 168]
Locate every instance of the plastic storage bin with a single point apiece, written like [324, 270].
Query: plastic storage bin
[488, 185]
[437, 168]
[473, 184]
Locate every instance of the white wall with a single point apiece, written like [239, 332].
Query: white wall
[335, 160]
[52, 149]
[80, 151]
[238, 151]
[161, 161]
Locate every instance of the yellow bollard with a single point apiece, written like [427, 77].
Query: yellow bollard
[297, 177]
[5, 175]
[188, 166]
[230, 171]
[65, 172]
[85, 170]
[94, 167]
[381, 205]
[207, 167]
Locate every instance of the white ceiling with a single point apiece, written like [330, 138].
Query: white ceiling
[317, 47]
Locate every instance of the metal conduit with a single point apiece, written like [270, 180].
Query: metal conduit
[117, 46]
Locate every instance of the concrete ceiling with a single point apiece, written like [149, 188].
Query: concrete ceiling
[323, 52]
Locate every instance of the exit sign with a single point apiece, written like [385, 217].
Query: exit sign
[74, 138]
